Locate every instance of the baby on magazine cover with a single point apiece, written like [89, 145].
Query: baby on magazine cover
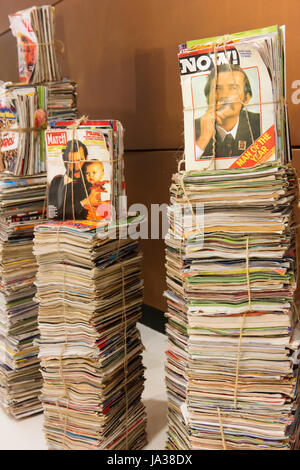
[97, 203]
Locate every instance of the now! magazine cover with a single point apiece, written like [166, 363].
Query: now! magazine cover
[233, 94]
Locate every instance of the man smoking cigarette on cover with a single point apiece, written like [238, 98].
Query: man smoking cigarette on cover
[233, 135]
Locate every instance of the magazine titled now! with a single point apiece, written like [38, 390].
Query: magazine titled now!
[232, 97]
[79, 174]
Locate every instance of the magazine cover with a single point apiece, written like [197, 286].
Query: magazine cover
[34, 30]
[22, 107]
[114, 132]
[21, 28]
[79, 174]
[8, 140]
[231, 104]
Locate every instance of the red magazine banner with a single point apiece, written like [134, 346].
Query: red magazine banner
[260, 151]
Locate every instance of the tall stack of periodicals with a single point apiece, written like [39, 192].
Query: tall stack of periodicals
[24, 109]
[89, 290]
[232, 369]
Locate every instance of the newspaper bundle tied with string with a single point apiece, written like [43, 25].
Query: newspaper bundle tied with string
[89, 289]
[232, 368]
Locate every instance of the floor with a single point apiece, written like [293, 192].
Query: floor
[28, 434]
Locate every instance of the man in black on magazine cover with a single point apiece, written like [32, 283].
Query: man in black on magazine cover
[233, 134]
[66, 192]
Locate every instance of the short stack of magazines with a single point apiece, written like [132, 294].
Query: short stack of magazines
[24, 112]
[232, 369]
[234, 94]
[85, 170]
[61, 100]
[22, 117]
[37, 56]
[89, 290]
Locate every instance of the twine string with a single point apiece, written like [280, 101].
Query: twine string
[124, 328]
[221, 429]
[242, 324]
[125, 364]
[282, 101]
[244, 104]
[215, 110]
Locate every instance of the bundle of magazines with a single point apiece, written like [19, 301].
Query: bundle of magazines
[85, 171]
[22, 115]
[234, 91]
[233, 333]
[34, 30]
[89, 290]
[232, 369]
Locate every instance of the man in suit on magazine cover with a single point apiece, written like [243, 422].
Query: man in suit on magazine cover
[67, 192]
[233, 135]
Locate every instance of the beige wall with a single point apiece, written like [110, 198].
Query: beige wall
[123, 54]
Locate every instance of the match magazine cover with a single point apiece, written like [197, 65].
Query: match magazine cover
[115, 130]
[80, 169]
[232, 98]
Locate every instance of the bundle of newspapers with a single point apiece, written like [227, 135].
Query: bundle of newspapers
[37, 57]
[234, 92]
[89, 290]
[22, 202]
[85, 171]
[232, 368]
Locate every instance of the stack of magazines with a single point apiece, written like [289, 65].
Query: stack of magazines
[232, 368]
[34, 30]
[21, 207]
[85, 171]
[22, 117]
[89, 290]
[234, 93]
[61, 100]
[23, 114]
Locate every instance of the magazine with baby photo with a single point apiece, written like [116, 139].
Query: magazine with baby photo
[79, 174]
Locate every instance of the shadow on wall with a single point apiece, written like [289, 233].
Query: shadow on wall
[156, 417]
[150, 95]
[62, 55]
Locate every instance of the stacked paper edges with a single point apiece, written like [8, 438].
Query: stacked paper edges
[233, 334]
[89, 291]
[23, 112]
[21, 208]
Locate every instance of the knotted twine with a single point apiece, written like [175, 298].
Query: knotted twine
[124, 328]
[63, 414]
[74, 127]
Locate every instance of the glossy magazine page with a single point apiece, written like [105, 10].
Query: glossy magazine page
[80, 169]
